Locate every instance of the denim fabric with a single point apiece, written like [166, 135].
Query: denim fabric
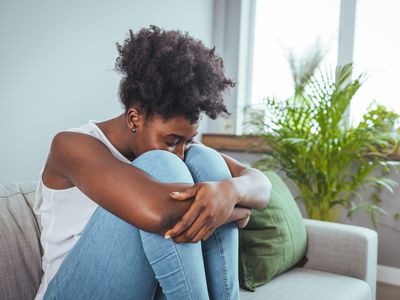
[115, 260]
[220, 252]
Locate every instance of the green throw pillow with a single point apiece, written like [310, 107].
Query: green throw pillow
[274, 240]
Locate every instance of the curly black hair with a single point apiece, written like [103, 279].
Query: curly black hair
[169, 73]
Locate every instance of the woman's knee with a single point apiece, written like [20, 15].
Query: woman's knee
[163, 166]
[206, 164]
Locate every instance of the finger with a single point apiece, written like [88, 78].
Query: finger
[202, 232]
[184, 195]
[190, 234]
[240, 223]
[187, 220]
[208, 234]
[237, 222]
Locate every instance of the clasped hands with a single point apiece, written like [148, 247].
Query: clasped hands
[215, 203]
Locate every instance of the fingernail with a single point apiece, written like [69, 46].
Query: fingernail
[167, 237]
[175, 193]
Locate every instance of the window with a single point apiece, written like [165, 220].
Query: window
[377, 52]
[285, 25]
[296, 25]
[365, 32]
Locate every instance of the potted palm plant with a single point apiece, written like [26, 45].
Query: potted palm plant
[312, 142]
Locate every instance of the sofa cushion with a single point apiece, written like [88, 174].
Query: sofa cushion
[306, 284]
[274, 240]
[20, 250]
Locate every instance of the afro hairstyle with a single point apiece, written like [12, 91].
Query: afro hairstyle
[169, 74]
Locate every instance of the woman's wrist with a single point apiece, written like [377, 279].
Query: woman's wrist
[251, 189]
[238, 213]
[234, 191]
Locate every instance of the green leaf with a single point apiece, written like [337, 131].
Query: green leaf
[329, 160]
[385, 182]
[293, 140]
[336, 202]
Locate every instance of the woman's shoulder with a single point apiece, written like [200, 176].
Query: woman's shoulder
[67, 143]
[70, 149]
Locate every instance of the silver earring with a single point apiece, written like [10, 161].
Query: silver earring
[134, 129]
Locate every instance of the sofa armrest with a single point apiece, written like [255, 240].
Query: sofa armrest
[343, 249]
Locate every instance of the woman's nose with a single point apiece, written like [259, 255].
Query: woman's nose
[180, 152]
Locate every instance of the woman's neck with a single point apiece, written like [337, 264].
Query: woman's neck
[118, 134]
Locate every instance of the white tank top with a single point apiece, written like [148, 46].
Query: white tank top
[64, 213]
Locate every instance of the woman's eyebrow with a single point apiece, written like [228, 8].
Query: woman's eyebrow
[177, 136]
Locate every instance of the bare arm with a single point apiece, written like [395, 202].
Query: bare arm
[252, 186]
[248, 188]
[83, 161]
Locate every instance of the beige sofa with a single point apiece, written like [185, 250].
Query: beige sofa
[342, 259]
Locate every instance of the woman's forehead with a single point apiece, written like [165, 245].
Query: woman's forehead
[176, 125]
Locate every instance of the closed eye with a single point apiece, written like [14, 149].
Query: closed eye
[171, 143]
[173, 140]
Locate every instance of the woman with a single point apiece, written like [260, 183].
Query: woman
[113, 231]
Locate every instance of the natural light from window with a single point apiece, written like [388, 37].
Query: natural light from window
[377, 51]
[289, 25]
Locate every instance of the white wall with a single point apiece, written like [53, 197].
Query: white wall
[56, 66]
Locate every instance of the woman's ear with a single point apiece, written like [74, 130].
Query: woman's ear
[134, 119]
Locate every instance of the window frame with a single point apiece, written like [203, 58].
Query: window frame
[239, 65]
[238, 16]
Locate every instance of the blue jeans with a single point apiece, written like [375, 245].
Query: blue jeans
[116, 260]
